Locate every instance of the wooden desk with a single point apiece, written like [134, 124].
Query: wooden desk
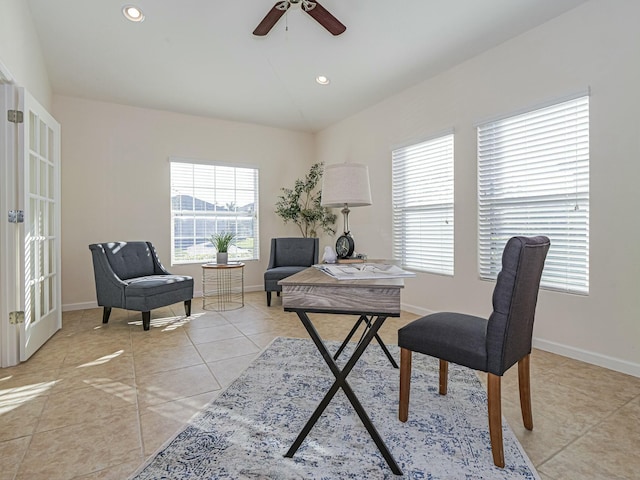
[312, 291]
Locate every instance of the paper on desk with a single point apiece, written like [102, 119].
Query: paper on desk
[364, 271]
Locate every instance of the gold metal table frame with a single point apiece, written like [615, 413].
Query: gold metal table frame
[222, 286]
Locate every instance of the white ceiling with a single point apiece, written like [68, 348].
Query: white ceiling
[199, 56]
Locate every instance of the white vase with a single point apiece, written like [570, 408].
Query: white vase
[222, 258]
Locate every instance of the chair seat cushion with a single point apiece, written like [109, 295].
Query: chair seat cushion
[278, 273]
[156, 284]
[454, 337]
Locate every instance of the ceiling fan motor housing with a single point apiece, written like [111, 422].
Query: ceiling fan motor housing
[306, 4]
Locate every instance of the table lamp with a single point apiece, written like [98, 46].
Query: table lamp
[345, 185]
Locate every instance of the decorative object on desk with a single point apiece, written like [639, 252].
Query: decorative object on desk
[222, 241]
[352, 260]
[302, 205]
[329, 255]
[345, 245]
[245, 432]
[346, 185]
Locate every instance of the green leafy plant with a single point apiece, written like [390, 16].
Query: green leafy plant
[222, 241]
[302, 205]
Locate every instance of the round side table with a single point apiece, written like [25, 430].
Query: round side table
[222, 286]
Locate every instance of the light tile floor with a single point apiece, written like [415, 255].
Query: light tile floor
[97, 400]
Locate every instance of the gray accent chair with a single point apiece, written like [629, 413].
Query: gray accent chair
[490, 345]
[129, 275]
[288, 256]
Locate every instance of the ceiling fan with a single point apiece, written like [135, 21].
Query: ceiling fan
[313, 8]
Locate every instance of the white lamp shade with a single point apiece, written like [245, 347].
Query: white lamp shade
[346, 183]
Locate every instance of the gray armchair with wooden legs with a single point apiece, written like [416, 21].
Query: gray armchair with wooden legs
[490, 345]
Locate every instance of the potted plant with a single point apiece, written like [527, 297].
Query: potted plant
[221, 242]
[302, 205]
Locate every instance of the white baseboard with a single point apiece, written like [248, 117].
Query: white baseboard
[68, 307]
[592, 358]
[586, 356]
[417, 310]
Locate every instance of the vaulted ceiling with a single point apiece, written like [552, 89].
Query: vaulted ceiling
[199, 56]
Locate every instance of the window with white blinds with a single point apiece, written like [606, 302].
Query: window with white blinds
[207, 199]
[422, 177]
[533, 179]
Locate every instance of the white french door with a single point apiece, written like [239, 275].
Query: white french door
[32, 312]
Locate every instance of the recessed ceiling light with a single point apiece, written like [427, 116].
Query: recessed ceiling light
[322, 80]
[132, 13]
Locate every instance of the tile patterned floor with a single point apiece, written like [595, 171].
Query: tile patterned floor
[97, 399]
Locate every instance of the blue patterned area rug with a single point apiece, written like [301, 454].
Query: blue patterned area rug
[246, 431]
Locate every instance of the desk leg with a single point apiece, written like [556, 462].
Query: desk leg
[382, 345]
[364, 318]
[346, 340]
[341, 382]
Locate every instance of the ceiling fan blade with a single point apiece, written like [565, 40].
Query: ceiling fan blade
[271, 18]
[324, 18]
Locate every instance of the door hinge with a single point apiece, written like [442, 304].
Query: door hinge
[16, 216]
[16, 317]
[15, 116]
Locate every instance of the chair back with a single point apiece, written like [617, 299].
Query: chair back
[293, 252]
[128, 259]
[510, 326]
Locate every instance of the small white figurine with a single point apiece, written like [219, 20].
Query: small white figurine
[329, 255]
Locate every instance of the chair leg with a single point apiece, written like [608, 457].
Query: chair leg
[105, 314]
[524, 383]
[187, 308]
[444, 376]
[268, 299]
[405, 384]
[495, 418]
[146, 320]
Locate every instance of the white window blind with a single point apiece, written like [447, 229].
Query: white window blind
[212, 198]
[422, 177]
[533, 179]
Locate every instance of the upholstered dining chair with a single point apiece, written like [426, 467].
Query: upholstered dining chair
[288, 256]
[490, 345]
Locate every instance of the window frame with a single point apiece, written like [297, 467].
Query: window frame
[221, 185]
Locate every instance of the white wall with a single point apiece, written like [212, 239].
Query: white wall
[596, 46]
[20, 50]
[115, 180]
